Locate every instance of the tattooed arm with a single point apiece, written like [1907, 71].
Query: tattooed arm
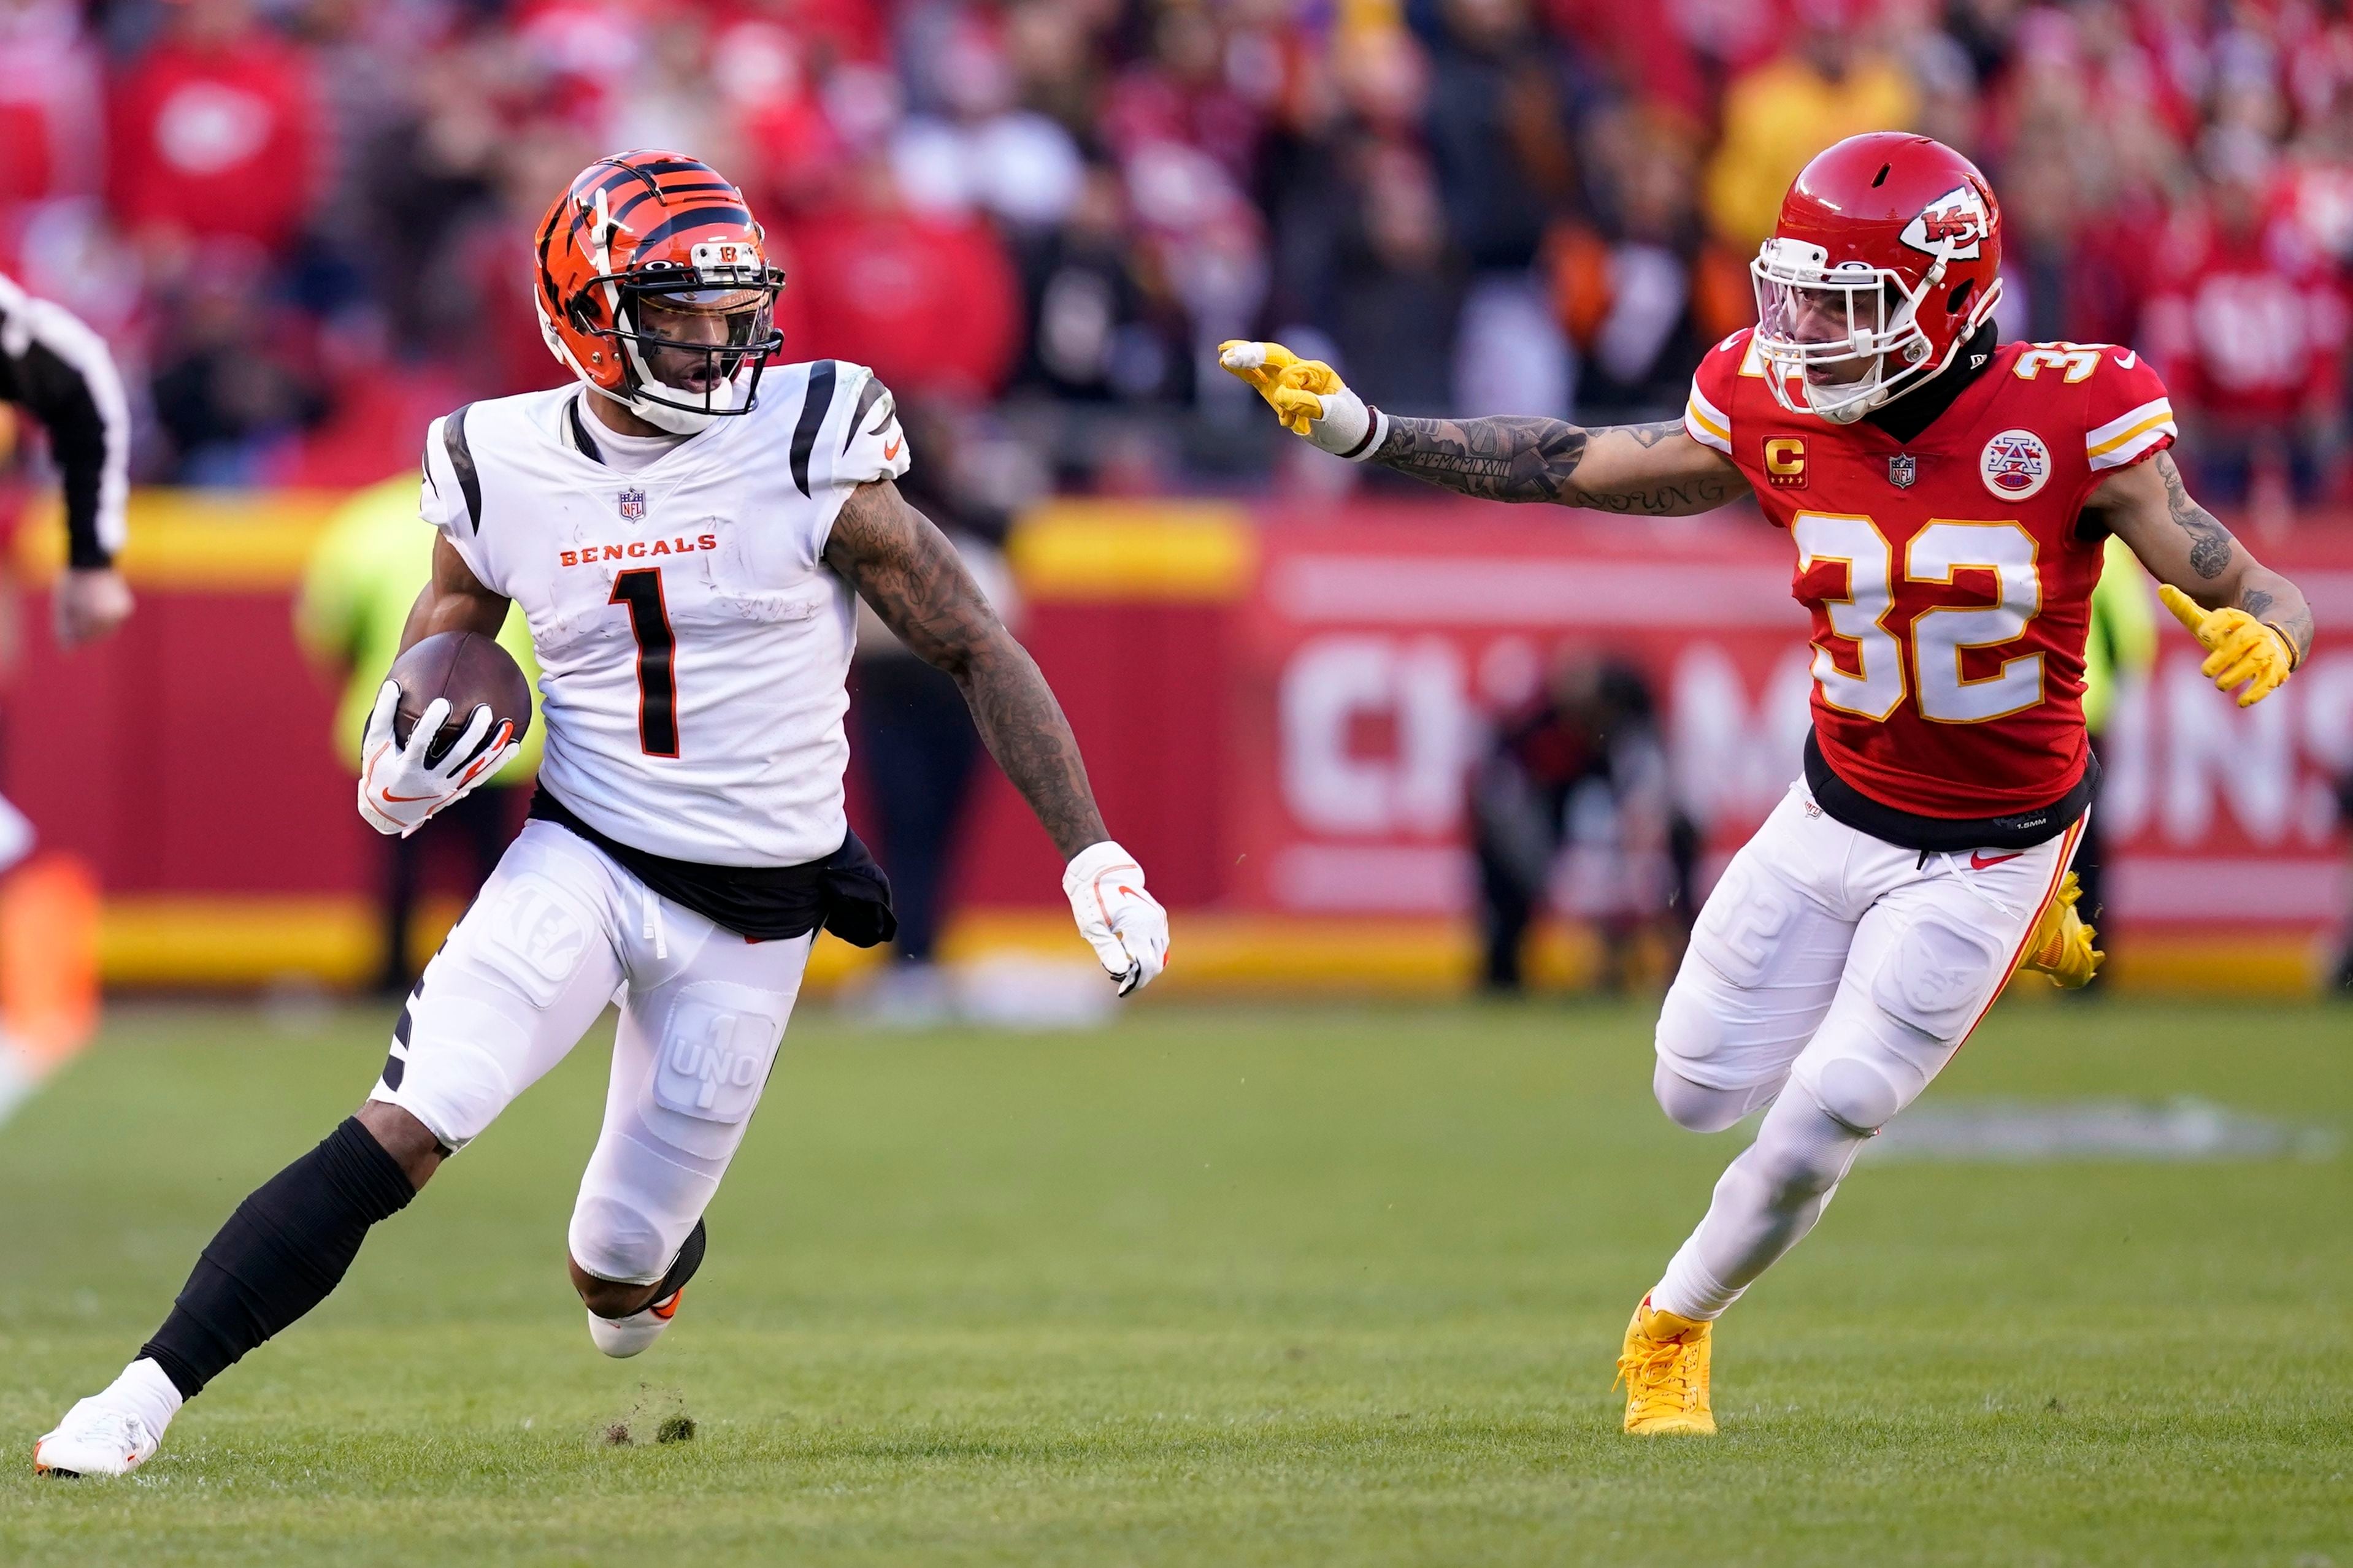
[2181, 542]
[1656, 470]
[905, 568]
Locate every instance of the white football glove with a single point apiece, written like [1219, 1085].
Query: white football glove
[1125, 925]
[1309, 397]
[397, 791]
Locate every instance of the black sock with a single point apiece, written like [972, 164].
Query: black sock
[281, 1253]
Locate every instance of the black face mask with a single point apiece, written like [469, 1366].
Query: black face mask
[749, 335]
[1909, 415]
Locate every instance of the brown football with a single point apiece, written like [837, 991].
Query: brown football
[469, 669]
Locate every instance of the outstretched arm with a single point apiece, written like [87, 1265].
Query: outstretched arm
[2186, 548]
[1654, 469]
[906, 569]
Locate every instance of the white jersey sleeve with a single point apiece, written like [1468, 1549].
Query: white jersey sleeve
[450, 496]
[857, 442]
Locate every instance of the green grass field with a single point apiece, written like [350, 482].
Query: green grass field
[1220, 1285]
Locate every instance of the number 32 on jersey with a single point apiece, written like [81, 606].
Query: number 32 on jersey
[1941, 633]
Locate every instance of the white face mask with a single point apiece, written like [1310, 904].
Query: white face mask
[1833, 339]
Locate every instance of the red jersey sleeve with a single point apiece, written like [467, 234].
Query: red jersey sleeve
[2126, 416]
[1707, 417]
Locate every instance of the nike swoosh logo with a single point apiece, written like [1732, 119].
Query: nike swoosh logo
[2128, 359]
[393, 799]
[1979, 862]
[1131, 892]
[891, 452]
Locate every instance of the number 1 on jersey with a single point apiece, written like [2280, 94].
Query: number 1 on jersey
[641, 589]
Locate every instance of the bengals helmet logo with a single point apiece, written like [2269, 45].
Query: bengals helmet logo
[1954, 226]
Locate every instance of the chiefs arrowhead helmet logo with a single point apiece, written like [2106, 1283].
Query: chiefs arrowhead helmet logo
[1954, 226]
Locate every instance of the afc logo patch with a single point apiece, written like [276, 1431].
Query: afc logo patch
[2015, 464]
[1902, 470]
[1785, 462]
[633, 505]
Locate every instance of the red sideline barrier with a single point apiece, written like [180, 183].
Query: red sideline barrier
[1288, 740]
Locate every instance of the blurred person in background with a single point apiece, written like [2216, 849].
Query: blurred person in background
[2341, 979]
[1397, 285]
[2247, 323]
[929, 300]
[1831, 80]
[215, 131]
[364, 575]
[913, 732]
[1501, 149]
[56, 370]
[235, 383]
[1626, 287]
[2121, 648]
[1582, 766]
[52, 98]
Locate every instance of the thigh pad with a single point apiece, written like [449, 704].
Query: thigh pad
[718, 1042]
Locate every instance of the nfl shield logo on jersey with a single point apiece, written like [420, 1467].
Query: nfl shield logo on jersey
[633, 505]
[2015, 464]
[1902, 469]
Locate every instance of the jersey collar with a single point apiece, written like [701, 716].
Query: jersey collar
[1905, 418]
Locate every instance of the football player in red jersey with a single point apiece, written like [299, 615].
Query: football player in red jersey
[1948, 497]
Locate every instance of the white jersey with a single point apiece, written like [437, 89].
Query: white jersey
[693, 643]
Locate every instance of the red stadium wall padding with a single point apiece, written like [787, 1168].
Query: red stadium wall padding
[1294, 746]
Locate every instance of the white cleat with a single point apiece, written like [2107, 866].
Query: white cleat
[95, 1439]
[624, 1337]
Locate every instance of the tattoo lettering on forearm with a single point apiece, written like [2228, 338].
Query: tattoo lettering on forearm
[2211, 544]
[1507, 458]
[1514, 458]
[904, 567]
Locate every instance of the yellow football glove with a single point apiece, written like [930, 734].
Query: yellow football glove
[2062, 945]
[2239, 649]
[1308, 396]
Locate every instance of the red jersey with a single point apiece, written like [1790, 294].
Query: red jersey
[1950, 592]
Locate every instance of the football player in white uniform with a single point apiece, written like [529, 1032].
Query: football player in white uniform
[683, 530]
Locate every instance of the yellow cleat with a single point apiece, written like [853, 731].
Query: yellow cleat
[1664, 1369]
[2061, 944]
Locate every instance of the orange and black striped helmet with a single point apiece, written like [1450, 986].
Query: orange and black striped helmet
[655, 288]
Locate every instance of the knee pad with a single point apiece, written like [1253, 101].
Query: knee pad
[617, 1237]
[716, 1045]
[1867, 1064]
[1857, 1094]
[1697, 1107]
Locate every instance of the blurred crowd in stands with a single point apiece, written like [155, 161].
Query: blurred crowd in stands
[303, 223]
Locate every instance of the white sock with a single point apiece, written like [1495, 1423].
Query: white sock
[146, 1392]
[1764, 1205]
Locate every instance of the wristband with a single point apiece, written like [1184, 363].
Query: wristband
[1377, 432]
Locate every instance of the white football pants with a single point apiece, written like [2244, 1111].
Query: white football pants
[555, 932]
[1849, 966]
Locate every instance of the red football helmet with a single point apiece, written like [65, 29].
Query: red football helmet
[655, 288]
[1883, 265]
